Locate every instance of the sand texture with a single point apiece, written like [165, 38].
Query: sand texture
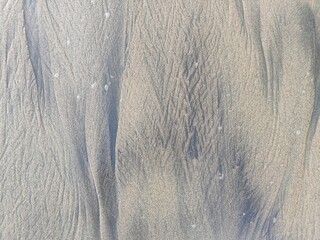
[160, 120]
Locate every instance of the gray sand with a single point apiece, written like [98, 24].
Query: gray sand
[160, 120]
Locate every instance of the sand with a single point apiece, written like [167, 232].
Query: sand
[158, 120]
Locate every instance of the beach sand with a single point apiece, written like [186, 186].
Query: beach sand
[160, 120]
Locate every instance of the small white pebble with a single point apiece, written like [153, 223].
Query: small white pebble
[243, 214]
[106, 86]
[221, 176]
[303, 91]
[107, 15]
[112, 76]
[196, 64]
[93, 85]
[193, 225]
[68, 41]
[78, 97]
[219, 128]
[298, 132]
[271, 182]
[56, 75]
[274, 220]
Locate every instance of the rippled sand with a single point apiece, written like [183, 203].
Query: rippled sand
[160, 120]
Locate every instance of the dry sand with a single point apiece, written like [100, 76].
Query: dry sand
[178, 120]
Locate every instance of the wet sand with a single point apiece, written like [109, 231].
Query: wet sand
[160, 120]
